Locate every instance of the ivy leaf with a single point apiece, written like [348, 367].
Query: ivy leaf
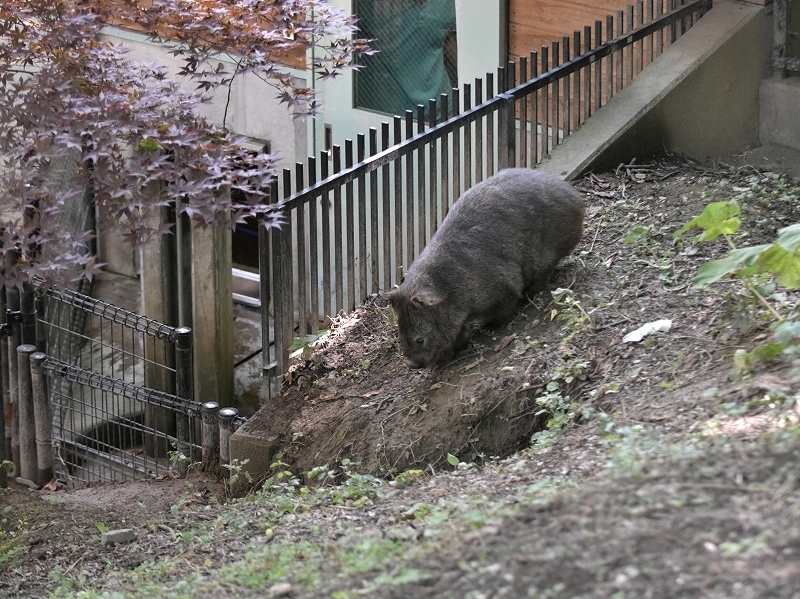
[784, 265]
[713, 271]
[452, 460]
[718, 218]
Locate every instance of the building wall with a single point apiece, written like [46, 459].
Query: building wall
[254, 112]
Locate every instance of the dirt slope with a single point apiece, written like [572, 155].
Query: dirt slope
[659, 469]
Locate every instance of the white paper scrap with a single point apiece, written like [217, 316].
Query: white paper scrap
[657, 326]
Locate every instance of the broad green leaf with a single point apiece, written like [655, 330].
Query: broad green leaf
[452, 460]
[787, 332]
[784, 265]
[718, 218]
[789, 237]
[713, 271]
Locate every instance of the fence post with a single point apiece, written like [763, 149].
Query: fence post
[184, 381]
[282, 289]
[27, 422]
[42, 415]
[27, 311]
[12, 320]
[507, 142]
[212, 308]
[5, 434]
[225, 417]
[208, 412]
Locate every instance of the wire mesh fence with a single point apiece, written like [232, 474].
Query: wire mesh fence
[110, 397]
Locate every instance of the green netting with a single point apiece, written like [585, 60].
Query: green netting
[416, 58]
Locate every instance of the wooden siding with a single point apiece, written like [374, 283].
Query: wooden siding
[537, 23]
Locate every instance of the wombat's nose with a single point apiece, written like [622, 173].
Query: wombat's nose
[413, 364]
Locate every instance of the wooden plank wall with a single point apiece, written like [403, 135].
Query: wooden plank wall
[537, 23]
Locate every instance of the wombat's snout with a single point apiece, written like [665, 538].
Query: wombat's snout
[413, 364]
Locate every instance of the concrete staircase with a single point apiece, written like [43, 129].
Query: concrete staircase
[711, 96]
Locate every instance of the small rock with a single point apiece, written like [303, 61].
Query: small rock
[27, 482]
[121, 535]
[281, 589]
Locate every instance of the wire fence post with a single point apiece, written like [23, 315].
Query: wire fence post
[42, 415]
[184, 381]
[5, 434]
[225, 417]
[12, 320]
[27, 423]
[27, 311]
[208, 413]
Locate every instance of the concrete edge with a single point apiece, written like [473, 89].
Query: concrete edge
[579, 150]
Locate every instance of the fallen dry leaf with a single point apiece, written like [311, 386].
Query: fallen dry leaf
[51, 486]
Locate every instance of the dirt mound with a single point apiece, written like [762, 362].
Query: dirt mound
[562, 358]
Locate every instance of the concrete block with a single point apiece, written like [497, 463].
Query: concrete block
[252, 444]
[779, 117]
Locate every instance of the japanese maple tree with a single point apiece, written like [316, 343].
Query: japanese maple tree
[74, 105]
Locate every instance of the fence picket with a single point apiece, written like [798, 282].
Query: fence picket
[409, 204]
[350, 249]
[338, 236]
[313, 250]
[397, 197]
[456, 139]
[302, 277]
[327, 298]
[432, 170]
[386, 212]
[373, 215]
[362, 219]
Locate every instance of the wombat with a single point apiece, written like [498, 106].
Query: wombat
[501, 240]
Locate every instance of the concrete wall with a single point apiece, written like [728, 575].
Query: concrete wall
[713, 112]
[254, 109]
[700, 98]
[254, 112]
[779, 120]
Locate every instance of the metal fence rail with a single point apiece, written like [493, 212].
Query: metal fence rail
[355, 231]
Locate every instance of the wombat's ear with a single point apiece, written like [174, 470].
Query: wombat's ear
[425, 300]
[392, 295]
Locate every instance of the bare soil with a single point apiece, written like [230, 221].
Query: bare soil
[549, 459]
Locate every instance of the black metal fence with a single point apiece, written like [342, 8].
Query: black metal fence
[95, 392]
[357, 218]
